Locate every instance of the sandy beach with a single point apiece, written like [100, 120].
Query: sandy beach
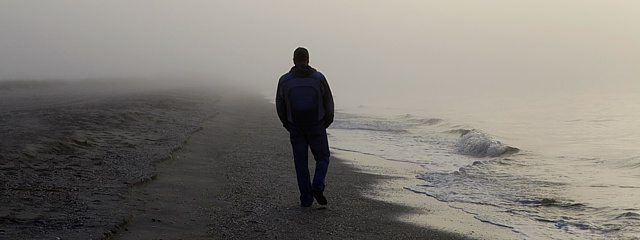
[176, 163]
[237, 173]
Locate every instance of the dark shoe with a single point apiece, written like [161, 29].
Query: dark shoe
[306, 203]
[319, 197]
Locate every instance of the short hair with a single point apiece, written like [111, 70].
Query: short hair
[301, 56]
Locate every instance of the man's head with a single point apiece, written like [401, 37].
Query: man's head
[301, 56]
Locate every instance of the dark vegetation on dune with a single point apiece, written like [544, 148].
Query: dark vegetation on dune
[66, 161]
[6, 85]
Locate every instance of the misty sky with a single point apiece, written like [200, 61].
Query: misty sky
[367, 49]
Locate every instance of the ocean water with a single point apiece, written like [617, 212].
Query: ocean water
[547, 167]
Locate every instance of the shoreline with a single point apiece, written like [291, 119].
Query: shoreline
[429, 212]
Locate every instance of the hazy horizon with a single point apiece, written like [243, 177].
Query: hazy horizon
[377, 52]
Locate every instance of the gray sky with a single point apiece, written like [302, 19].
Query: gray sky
[369, 50]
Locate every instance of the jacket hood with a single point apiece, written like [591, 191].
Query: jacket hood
[302, 70]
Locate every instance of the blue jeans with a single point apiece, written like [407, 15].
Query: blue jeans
[303, 138]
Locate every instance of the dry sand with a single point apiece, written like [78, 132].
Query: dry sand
[235, 180]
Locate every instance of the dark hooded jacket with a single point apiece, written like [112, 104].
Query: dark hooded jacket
[303, 98]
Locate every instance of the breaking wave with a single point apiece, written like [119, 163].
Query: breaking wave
[477, 144]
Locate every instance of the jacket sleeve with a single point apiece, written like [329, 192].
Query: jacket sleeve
[281, 106]
[327, 98]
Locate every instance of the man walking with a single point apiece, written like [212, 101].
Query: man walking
[305, 107]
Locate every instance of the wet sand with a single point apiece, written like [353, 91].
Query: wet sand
[428, 212]
[163, 162]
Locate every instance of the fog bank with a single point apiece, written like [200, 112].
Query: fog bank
[371, 52]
